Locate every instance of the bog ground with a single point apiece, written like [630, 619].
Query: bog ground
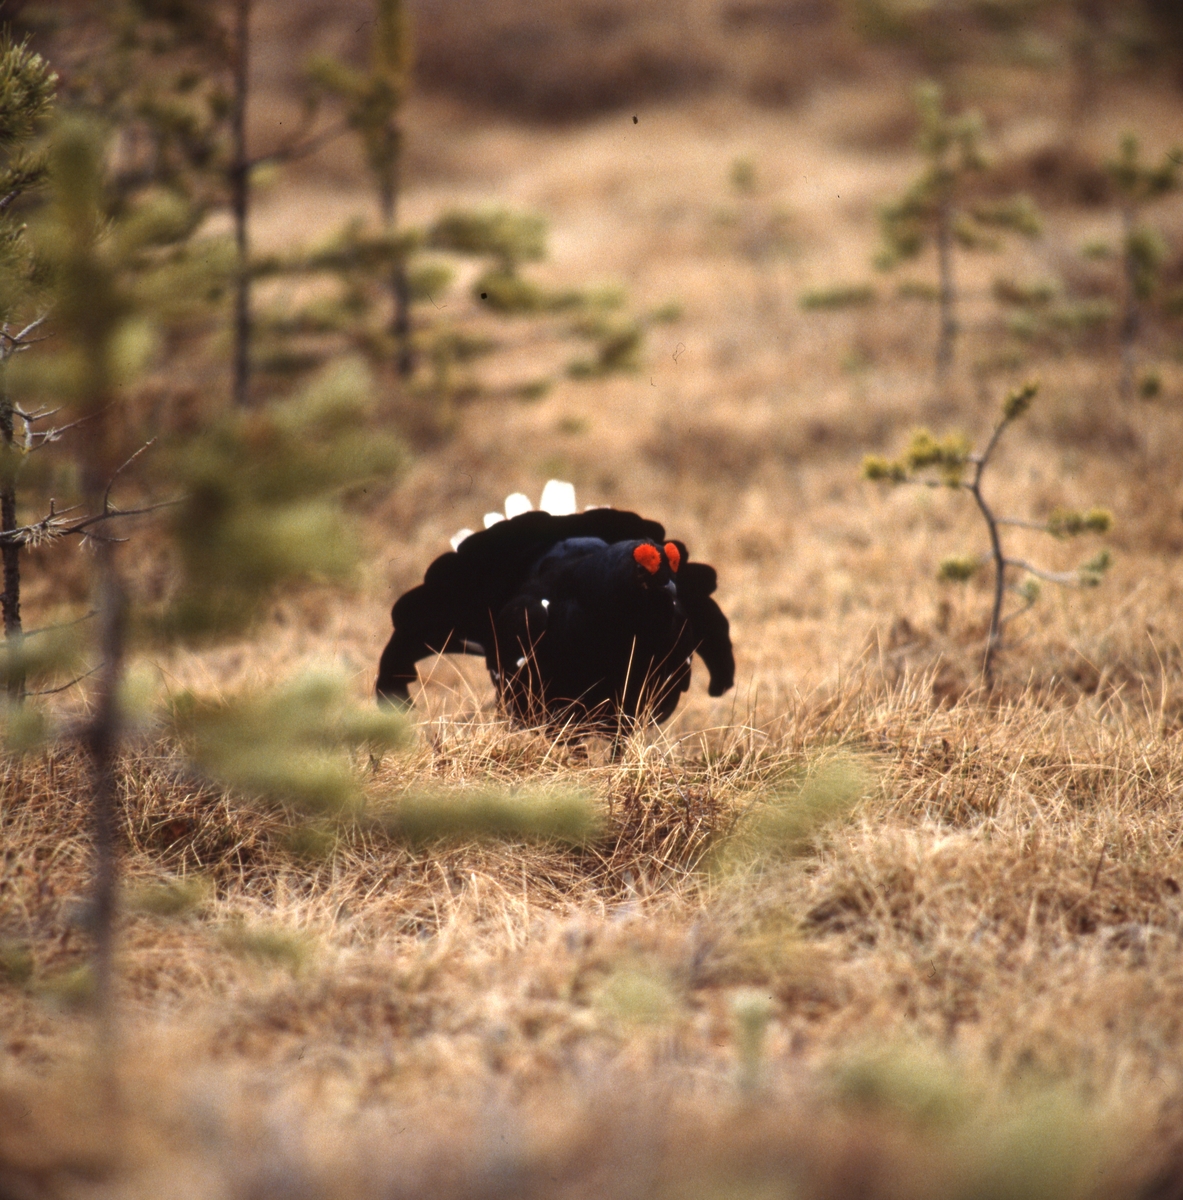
[963, 980]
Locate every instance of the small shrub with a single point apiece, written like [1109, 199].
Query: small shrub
[955, 465]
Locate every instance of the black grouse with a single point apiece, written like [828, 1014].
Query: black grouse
[588, 617]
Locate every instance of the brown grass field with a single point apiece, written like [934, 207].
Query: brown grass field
[965, 981]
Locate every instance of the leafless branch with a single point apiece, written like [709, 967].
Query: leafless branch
[66, 686]
[53, 525]
[61, 625]
[111, 514]
[44, 437]
[1064, 578]
[18, 338]
[1020, 523]
[119, 470]
[29, 418]
[297, 149]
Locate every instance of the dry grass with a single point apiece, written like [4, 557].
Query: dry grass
[984, 950]
[966, 985]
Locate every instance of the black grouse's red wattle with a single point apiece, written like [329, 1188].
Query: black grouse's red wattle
[589, 616]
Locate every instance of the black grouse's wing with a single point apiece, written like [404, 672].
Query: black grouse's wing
[712, 631]
[453, 608]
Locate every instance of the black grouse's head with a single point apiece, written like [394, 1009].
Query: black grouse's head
[656, 567]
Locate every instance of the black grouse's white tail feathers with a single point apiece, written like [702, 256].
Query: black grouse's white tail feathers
[558, 499]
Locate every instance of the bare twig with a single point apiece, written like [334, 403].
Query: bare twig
[85, 524]
[29, 418]
[61, 624]
[1020, 523]
[52, 527]
[17, 339]
[296, 149]
[1063, 578]
[45, 437]
[65, 687]
[120, 469]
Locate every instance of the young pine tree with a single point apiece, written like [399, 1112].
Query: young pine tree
[177, 86]
[950, 462]
[1142, 249]
[373, 101]
[254, 502]
[26, 99]
[939, 209]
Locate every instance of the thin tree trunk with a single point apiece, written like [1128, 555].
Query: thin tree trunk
[102, 734]
[994, 637]
[102, 742]
[10, 552]
[1085, 78]
[400, 288]
[240, 172]
[1131, 319]
[948, 299]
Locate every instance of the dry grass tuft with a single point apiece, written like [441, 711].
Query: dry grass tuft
[1000, 915]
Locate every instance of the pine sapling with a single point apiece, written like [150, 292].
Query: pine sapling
[179, 85]
[259, 503]
[939, 209]
[1142, 246]
[509, 239]
[951, 462]
[91, 311]
[26, 100]
[374, 100]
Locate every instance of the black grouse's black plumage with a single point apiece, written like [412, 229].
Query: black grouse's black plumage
[591, 616]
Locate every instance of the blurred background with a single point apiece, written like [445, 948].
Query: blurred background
[716, 261]
[680, 310]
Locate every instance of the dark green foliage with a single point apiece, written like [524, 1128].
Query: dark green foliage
[260, 498]
[26, 100]
[163, 78]
[1140, 182]
[27, 88]
[506, 292]
[618, 347]
[1026, 293]
[373, 98]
